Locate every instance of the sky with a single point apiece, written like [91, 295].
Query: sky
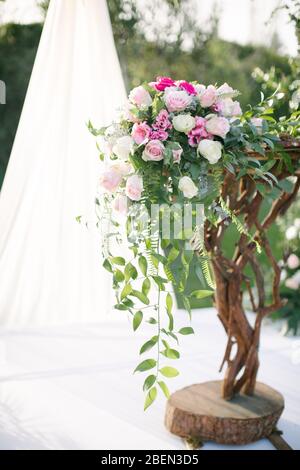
[243, 21]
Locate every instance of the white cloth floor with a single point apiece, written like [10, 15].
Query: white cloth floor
[72, 387]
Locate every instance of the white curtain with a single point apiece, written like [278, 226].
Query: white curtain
[50, 266]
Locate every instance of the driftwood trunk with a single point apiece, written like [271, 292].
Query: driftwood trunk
[243, 199]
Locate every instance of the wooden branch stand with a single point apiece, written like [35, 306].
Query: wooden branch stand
[238, 410]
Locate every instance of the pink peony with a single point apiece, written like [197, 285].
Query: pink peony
[199, 132]
[162, 121]
[110, 180]
[140, 133]
[208, 97]
[140, 97]
[134, 187]
[162, 83]
[188, 87]
[177, 155]
[159, 135]
[177, 100]
[120, 204]
[154, 151]
[218, 126]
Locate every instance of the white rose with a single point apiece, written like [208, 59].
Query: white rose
[291, 233]
[297, 223]
[184, 123]
[211, 150]
[123, 147]
[188, 187]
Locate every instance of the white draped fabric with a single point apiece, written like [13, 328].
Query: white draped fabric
[50, 265]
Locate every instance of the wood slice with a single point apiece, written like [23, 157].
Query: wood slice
[199, 411]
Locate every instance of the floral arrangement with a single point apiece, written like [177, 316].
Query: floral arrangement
[171, 144]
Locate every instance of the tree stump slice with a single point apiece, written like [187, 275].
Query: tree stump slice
[199, 411]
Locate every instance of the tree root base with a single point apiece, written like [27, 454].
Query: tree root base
[198, 413]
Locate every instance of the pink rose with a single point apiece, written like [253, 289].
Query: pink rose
[140, 97]
[177, 155]
[120, 204]
[110, 180]
[208, 97]
[163, 82]
[140, 133]
[188, 87]
[159, 135]
[218, 126]
[154, 151]
[134, 187]
[177, 100]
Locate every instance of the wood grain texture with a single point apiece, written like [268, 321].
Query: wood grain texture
[199, 411]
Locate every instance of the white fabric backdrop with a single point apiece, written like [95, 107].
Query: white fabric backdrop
[49, 265]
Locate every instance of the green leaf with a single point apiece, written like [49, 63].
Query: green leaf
[151, 395]
[127, 289]
[146, 286]
[201, 294]
[171, 353]
[186, 304]
[169, 302]
[160, 258]
[188, 330]
[142, 297]
[145, 365]
[118, 260]
[169, 305]
[286, 185]
[169, 371]
[173, 254]
[130, 272]
[149, 344]
[121, 307]
[143, 265]
[152, 321]
[137, 320]
[107, 265]
[118, 276]
[164, 389]
[150, 380]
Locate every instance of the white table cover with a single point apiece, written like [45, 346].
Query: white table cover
[72, 387]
